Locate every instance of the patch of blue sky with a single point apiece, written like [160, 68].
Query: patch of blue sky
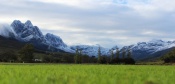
[120, 1]
[127, 1]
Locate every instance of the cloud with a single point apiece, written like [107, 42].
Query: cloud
[104, 22]
[6, 30]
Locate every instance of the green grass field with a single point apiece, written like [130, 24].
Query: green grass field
[85, 74]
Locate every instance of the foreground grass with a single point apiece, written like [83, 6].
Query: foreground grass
[85, 74]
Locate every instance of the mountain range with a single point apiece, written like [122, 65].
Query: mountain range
[28, 33]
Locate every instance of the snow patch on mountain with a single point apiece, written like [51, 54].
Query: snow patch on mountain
[91, 50]
[154, 45]
[143, 49]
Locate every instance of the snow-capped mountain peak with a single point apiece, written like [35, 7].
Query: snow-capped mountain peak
[26, 31]
[16, 22]
[28, 23]
[156, 41]
[17, 26]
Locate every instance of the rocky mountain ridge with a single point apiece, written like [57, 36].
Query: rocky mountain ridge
[27, 32]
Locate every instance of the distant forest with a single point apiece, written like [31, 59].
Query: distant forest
[28, 54]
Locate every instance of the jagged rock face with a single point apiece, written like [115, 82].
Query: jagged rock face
[26, 31]
[17, 26]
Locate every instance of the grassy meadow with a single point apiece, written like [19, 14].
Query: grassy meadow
[86, 74]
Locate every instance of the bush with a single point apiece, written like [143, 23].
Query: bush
[26, 53]
[129, 61]
[8, 56]
[169, 57]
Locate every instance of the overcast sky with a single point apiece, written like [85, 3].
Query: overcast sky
[104, 22]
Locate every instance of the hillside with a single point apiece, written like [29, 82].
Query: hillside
[7, 44]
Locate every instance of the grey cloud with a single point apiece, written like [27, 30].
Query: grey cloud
[95, 22]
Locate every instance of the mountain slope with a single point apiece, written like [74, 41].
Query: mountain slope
[7, 44]
[143, 50]
[57, 42]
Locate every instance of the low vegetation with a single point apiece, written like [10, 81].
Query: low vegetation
[85, 74]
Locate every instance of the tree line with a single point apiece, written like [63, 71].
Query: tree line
[28, 54]
[112, 59]
[25, 54]
[116, 58]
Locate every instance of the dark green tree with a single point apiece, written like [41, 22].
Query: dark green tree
[117, 60]
[80, 56]
[129, 59]
[8, 56]
[123, 54]
[117, 53]
[76, 56]
[129, 53]
[112, 56]
[103, 59]
[99, 55]
[169, 57]
[48, 58]
[26, 53]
